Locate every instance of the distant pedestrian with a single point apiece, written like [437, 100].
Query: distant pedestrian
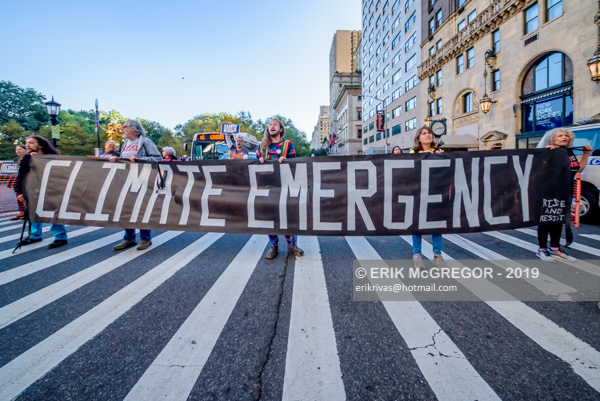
[239, 151]
[396, 150]
[21, 151]
[185, 158]
[37, 145]
[169, 154]
[136, 147]
[274, 146]
[110, 149]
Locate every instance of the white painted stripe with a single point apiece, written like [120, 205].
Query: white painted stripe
[17, 226]
[576, 246]
[544, 283]
[444, 366]
[16, 237]
[5, 222]
[34, 363]
[55, 259]
[71, 234]
[583, 359]
[173, 373]
[578, 264]
[591, 236]
[312, 364]
[29, 304]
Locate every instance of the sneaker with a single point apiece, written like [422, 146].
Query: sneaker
[272, 253]
[439, 262]
[296, 251]
[124, 244]
[418, 261]
[58, 243]
[559, 254]
[28, 240]
[143, 245]
[544, 255]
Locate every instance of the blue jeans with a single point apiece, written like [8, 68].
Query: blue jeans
[145, 235]
[58, 230]
[436, 241]
[291, 240]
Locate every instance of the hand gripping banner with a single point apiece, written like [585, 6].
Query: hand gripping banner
[454, 192]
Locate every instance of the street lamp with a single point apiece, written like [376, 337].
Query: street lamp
[594, 62]
[486, 101]
[53, 108]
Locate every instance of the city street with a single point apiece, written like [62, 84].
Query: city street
[204, 316]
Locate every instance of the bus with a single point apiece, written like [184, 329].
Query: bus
[212, 145]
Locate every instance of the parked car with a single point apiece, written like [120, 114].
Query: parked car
[590, 178]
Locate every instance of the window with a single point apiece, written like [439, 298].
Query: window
[431, 109]
[371, 19]
[386, 70]
[410, 124]
[378, 22]
[386, 6]
[407, 5]
[438, 45]
[412, 81]
[378, 36]
[396, 77]
[460, 3]
[431, 3]
[549, 72]
[396, 94]
[460, 64]
[467, 101]
[395, 24]
[471, 16]
[371, 61]
[396, 58]
[470, 57]
[431, 26]
[372, 139]
[531, 18]
[438, 76]
[496, 40]
[396, 129]
[553, 9]
[371, 74]
[438, 102]
[386, 38]
[386, 22]
[395, 6]
[396, 41]
[365, 141]
[386, 86]
[378, 80]
[378, 66]
[431, 51]
[495, 80]
[438, 18]
[432, 80]
[410, 42]
[396, 112]
[411, 62]
[386, 54]
[410, 22]
[461, 25]
[378, 51]
[411, 103]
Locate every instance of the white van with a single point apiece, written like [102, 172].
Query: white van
[590, 178]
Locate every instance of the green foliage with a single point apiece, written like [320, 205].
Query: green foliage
[11, 134]
[25, 106]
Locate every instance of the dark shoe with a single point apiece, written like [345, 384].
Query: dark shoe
[296, 251]
[124, 244]
[57, 243]
[27, 241]
[16, 218]
[272, 253]
[143, 245]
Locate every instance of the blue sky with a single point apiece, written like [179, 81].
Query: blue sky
[168, 61]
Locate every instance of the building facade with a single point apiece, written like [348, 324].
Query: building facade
[525, 56]
[390, 55]
[320, 134]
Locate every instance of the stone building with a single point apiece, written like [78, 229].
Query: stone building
[321, 131]
[527, 58]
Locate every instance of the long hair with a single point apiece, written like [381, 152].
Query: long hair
[47, 149]
[418, 146]
[267, 141]
[548, 138]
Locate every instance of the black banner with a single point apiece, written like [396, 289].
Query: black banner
[454, 192]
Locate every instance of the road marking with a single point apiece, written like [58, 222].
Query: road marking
[16, 237]
[448, 372]
[578, 264]
[583, 359]
[15, 227]
[312, 364]
[26, 248]
[591, 236]
[34, 363]
[173, 373]
[578, 247]
[3, 223]
[544, 283]
[29, 304]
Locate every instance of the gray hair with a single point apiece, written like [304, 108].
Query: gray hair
[169, 151]
[110, 141]
[137, 127]
[548, 138]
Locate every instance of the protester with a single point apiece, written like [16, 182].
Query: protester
[169, 154]
[554, 139]
[424, 144]
[274, 146]
[21, 151]
[37, 145]
[110, 149]
[185, 158]
[239, 151]
[396, 150]
[136, 147]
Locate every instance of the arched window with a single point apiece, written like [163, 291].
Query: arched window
[546, 97]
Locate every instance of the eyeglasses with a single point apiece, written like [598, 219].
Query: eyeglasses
[125, 126]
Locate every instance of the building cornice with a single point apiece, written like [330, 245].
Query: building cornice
[345, 88]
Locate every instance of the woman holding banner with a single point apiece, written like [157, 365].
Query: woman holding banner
[424, 144]
[554, 139]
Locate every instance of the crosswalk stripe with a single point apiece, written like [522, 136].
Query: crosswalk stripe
[544, 283]
[3, 223]
[15, 227]
[591, 236]
[173, 373]
[579, 264]
[578, 247]
[583, 359]
[49, 261]
[71, 234]
[34, 363]
[16, 237]
[312, 365]
[450, 378]
[29, 304]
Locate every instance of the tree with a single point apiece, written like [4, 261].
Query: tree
[11, 134]
[25, 106]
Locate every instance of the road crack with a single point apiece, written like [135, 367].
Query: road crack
[433, 345]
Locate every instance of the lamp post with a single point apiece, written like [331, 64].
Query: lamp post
[97, 126]
[384, 118]
[594, 62]
[486, 101]
[53, 108]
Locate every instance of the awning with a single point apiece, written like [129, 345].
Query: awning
[544, 96]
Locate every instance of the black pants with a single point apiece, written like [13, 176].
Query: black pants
[554, 230]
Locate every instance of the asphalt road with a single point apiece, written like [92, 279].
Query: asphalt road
[203, 316]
